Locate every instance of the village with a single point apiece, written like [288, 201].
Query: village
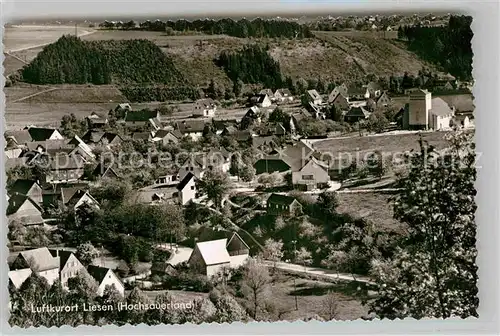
[222, 170]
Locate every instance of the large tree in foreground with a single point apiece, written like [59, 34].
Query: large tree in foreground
[434, 272]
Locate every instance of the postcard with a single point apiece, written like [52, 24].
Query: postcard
[233, 169]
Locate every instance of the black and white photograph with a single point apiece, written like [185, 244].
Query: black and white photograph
[240, 168]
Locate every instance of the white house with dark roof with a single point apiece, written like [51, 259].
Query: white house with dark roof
[283, 96]
[441, 115]
[187, 188]
[312, 175]
[18, 277]
[314, 97]
[69, 265]
[105, 277]
[210, 257]
[192, 128]
[24, 209]
[76, 197]
[261, 100]
[204, 108]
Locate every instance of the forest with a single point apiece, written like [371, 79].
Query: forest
[449, 46]
[240, 28]
[72, 61]
[251, 65]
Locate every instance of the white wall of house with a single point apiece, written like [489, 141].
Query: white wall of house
[195, 136]
[27, 209]
[56, 136]
[440, 122]
[310, 173]
[238, 260]
[86, 199]
[51, 275]
[188, 192]
[110, 279]
[71, 269]
[215, 269]
[265, 103]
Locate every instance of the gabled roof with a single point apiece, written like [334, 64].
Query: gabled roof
[284, 92]
[142, 115]
[63, 256]
[93, 136]
[42, 258]
[355, 90]
[101, 171]
[18, 277]
[190, 126]
[50, 145]
[281, 199]
[214, 251]
[21, 137]
[211, 234]
[358, 111]
[259, 98]
[17, 200]
[314, 94]
[185, 181]
[59, 162]
[98, 273]
[384, 94]
[206, 102]
[163, 133]
[41, 134]
[440, 108]
[264, 140]
[141, 135]
[22, 186]
[268, 92]
[373, 86]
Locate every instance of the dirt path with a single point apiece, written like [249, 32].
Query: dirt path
[33, 95]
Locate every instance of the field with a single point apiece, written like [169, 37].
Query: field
[375, 207]
[394, 143]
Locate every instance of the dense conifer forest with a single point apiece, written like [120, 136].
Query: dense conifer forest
[73, 61]
[240, 28]
[251, 65]
[449, 46]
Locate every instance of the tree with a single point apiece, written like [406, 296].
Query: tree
[86, 253]
[375, 164]
[247, 173]
[278, 116]
[434, 274]
[273, 250]
[214, 184]
[237, 87]
[330, 306]
[333, 113]
[326, 204]
[254, 284]
[377, 122]
[303, 256]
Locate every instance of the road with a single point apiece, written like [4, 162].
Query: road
[318, 271]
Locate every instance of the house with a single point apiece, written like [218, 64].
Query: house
[218, 126]
[192, 128]
[104, 171]
[24, 209]
[13, 153]
[236, 247]
[121, 110]
[52, 146]
[187, 189]
[18, 277]
[210, 257]
[144, 136]
[440, 115]
[340, 102]
[261, 100]
[82, 149]
[420, 103]
[40, 261]
[265, 143]
[374, 89]
[75, 197]
[69, 265]
[163, 268]
[141, 118]
[283, 96]
[44, 134]
[251, 117]
[269, 93]
[339, 89]
[314, 97]
[279, 129]
[166, 137]
[20, 138]
[218, 158]
[65, 168]
[28, 188]
[356, 114]
[95, 120]
[283, 205]
[357, 93]
[195, 164]
[98, 137]
[172, 177]
[314, 174]
[292, 158]
[204, 108]
[383, 100]
[105, 277]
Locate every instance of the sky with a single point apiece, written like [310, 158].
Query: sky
[67, 9]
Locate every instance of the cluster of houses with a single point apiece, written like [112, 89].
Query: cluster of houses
[54, 264]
